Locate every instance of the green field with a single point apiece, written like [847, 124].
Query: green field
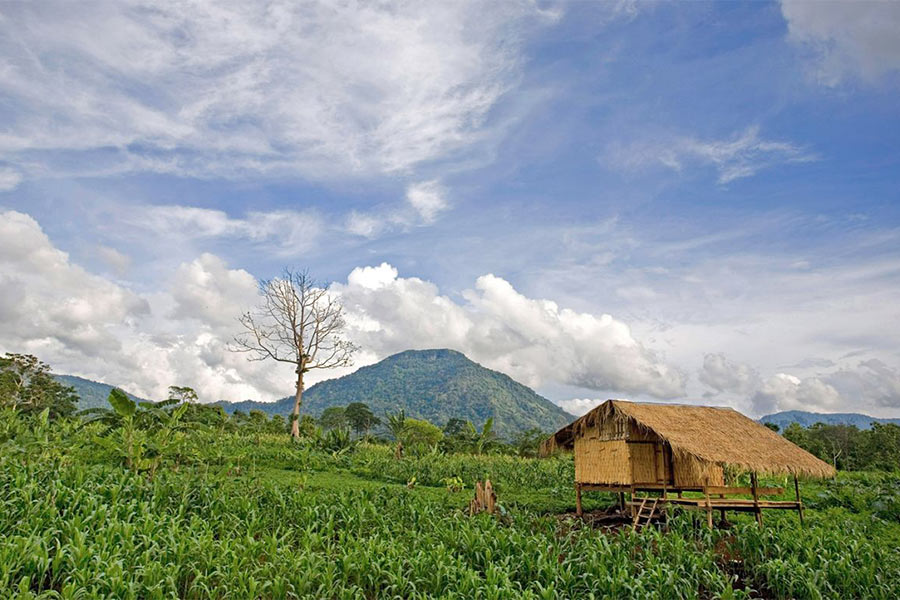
[257, 516]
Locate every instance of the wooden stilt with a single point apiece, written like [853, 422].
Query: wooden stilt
[578, 510]
[754, 487]
[799, 501]
[621, 501]
[709, 518]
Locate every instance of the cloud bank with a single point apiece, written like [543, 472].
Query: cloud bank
[88, 325]
[315, 89]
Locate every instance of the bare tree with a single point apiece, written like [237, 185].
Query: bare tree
[298, 322]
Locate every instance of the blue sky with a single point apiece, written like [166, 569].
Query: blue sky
[692, 202]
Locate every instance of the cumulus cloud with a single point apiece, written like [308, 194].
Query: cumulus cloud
[227, 88]
[532, 340]
[119, 262]
[742, 155]
[84, 324]
[49, 301]
[788, 392]
[88, 325]
[723, 375]
[579, 406]
[847, 38]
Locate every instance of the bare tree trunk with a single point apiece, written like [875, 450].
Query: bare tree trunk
[295, 414]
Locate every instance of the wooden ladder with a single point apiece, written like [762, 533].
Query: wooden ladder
[645, 512]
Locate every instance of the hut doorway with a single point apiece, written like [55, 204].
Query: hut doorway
[651, 462]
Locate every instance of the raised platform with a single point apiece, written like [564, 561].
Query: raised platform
[720, 498]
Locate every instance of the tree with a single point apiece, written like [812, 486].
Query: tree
[298, 322]
[773, 426]
[27, 385]
[455, 426]
[527, 443]
[333, 417]
[396, 425]
[421, 433]
[360, 417]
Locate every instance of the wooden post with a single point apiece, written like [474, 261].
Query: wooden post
[578, 511]
[753, 488]
[709, 519]
[799, 501]
[622, 501]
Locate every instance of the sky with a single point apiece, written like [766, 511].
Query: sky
[678, 202]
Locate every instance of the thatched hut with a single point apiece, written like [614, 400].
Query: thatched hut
[631, 447]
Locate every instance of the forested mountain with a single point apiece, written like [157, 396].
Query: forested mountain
[806, 419]
[436, 385]
[92, 394]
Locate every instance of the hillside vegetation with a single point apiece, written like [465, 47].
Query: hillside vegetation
[435, 385]
[246, 514]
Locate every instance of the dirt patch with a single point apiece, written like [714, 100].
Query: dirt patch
[610, 519]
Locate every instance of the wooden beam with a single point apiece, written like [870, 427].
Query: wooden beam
[709, 519]
[754, 488]
[578, 511]
[799, 501]
[745, 491]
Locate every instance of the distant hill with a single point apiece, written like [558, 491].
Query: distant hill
[804, 418]
[92, 394]
[436, 385]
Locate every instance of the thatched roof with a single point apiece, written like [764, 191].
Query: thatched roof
[715, 434]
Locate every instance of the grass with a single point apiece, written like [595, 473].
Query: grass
[246, 518]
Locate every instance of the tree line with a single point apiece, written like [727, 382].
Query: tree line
[848, 447]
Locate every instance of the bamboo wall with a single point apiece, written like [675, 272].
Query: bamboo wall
[600, 461]
[692, 472]
[616, 452]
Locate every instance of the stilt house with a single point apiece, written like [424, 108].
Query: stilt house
[632, 447]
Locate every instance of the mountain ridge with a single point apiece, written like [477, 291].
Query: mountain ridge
[806, 418]
[434, 384]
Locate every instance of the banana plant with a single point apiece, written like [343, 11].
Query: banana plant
[145, 431]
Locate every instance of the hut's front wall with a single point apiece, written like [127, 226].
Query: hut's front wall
[602, 461]
[693, 472]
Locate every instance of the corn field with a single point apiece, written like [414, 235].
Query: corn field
[236, 517]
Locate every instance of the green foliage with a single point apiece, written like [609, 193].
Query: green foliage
[27, 385]
[252, 515]
[91, 394]
[420, 434]
[333, 417]
[360, 417]
[434, 385]
[848, 447]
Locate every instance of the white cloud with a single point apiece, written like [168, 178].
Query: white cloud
[742, 155]
[787, 392]
[227, 88]
[579, 406]
[117, 261]
[532, 340]
[282, 232]
[48, 300]
[424, 202]
[723, 375]
[855, 38]
[9, 179]
[427, 199]
[84, 324]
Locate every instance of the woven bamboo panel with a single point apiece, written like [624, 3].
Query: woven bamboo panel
[692, 472]
[599, 461]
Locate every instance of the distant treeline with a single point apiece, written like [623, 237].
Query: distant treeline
[847, 447]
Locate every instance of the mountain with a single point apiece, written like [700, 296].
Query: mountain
[92, 394]
[804, 418]
[436, 385]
